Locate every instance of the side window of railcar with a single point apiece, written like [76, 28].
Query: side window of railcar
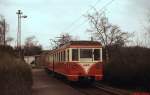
[68, 55]
[49, 58]
[74, 54]
[59, 56]
[62, 57]
[96, 54]
[64, 54]
[55, 57]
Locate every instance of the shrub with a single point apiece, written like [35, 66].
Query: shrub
[129, 65]
[15, 75]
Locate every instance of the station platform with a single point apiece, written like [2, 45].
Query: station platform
[47, 85]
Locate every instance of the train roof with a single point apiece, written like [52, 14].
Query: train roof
[84, 43]
[78, 44]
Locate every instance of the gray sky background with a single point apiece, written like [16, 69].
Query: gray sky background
[49, 18]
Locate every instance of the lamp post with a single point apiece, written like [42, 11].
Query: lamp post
[20, 15]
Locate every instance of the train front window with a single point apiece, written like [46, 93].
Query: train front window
[85, 54]
[74, 54]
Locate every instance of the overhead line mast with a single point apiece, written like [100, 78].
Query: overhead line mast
[19, 13]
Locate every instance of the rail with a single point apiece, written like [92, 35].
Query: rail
[114, 91]
[99, 89]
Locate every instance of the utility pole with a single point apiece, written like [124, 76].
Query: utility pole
[19, 13]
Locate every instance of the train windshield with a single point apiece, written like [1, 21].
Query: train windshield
[85, 54]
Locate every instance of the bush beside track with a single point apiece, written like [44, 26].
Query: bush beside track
[15, 74]
[128, 65]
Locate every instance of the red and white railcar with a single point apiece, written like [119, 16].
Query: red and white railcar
[76, 60]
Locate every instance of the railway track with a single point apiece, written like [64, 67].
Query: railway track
[94, 89]
[112, 90]
[99, 89]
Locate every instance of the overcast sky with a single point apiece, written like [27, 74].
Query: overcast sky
[49, 18]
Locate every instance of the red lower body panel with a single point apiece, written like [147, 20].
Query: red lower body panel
[73, 71]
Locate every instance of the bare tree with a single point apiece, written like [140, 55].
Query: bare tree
[31, 46]
[2, 30]
[62, 39]
[147, 32]
[107, 33]
[31, 41]
[9, 40]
